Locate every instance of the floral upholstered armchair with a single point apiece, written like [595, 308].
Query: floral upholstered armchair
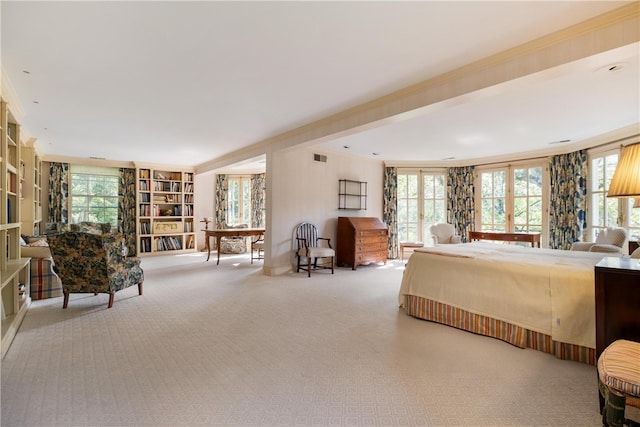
[91, 227]
[93, 263]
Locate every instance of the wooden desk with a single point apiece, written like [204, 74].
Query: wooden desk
[228, 232]
[533, 238]
[617, 296]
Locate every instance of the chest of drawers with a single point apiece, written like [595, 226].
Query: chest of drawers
[361, 241]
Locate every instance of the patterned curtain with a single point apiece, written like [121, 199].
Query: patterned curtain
[461, 200]
[58, 214]
[222, 187]
[127, 207]
[567, 210]
[257, 200]
[390, 209]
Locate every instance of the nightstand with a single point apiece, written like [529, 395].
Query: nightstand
[617, 296]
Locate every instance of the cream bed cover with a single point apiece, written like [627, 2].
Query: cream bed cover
[544, 290]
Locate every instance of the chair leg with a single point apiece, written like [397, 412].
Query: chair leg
[139, 288]
[309, 266]
[111, 297]
[298, 269]
[65, 302]
[332, 264]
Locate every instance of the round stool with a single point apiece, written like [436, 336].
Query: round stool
[619, 381]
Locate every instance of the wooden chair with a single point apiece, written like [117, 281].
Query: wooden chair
[257, 248]
[308, 247]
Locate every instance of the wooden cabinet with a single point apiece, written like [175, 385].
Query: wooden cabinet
[617, 296]
[361, 241]
[165, 219]
[14, 271]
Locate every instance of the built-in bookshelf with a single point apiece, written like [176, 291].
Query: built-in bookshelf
[14, 270]
[32, 191]
[165, 222]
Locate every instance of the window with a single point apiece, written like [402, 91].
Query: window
[421, 202]
[239, 200]
[94, 194]
[609, 212]
[603, 211]
[493, 188]
[408, 214]
[512, 199]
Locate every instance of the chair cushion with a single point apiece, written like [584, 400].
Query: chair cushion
[316, 252]
[619, 367]
[35, 251]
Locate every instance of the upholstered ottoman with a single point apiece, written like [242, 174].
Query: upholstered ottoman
[619, 381]
[45, 283]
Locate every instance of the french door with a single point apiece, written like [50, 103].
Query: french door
[512, 199]
[421, 202]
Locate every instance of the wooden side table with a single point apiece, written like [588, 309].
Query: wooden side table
[413, 245]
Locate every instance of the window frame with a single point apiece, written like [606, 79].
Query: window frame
[102, 173]
[509, 196]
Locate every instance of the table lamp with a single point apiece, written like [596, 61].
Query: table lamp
[626, 177]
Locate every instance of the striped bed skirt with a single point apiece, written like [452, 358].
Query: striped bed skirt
[434, 311]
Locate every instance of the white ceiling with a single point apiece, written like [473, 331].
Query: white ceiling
[187, 82]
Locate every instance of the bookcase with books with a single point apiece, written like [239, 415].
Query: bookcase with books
[32, 191]
[165, 222]
[14, 270]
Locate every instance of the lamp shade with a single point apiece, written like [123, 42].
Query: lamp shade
[626, 178]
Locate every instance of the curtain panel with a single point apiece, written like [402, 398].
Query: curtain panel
[127, 207]
[58, 212]
[390, 209]
[568, 199]
[461, 200]
[222, 188]
[257, 200]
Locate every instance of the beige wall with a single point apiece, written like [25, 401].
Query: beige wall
[302, 189]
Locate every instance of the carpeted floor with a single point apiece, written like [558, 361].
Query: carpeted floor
[226, 345]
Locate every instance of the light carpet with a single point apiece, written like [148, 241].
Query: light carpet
[227, 345]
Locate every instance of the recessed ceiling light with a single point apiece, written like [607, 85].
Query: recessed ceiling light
[346, 146]
[376, 154]
[612, 67]
[562, 141]
[36, 102]
[26, 71]
[449, 158]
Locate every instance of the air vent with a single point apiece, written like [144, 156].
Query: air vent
[320, 158]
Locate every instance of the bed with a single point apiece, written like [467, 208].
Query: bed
[529, 297]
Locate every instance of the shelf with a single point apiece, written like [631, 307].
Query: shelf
[170, 191]
[14, 193]
[352, 195]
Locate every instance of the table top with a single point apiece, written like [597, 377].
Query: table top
[236, 231]
[630, 265]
